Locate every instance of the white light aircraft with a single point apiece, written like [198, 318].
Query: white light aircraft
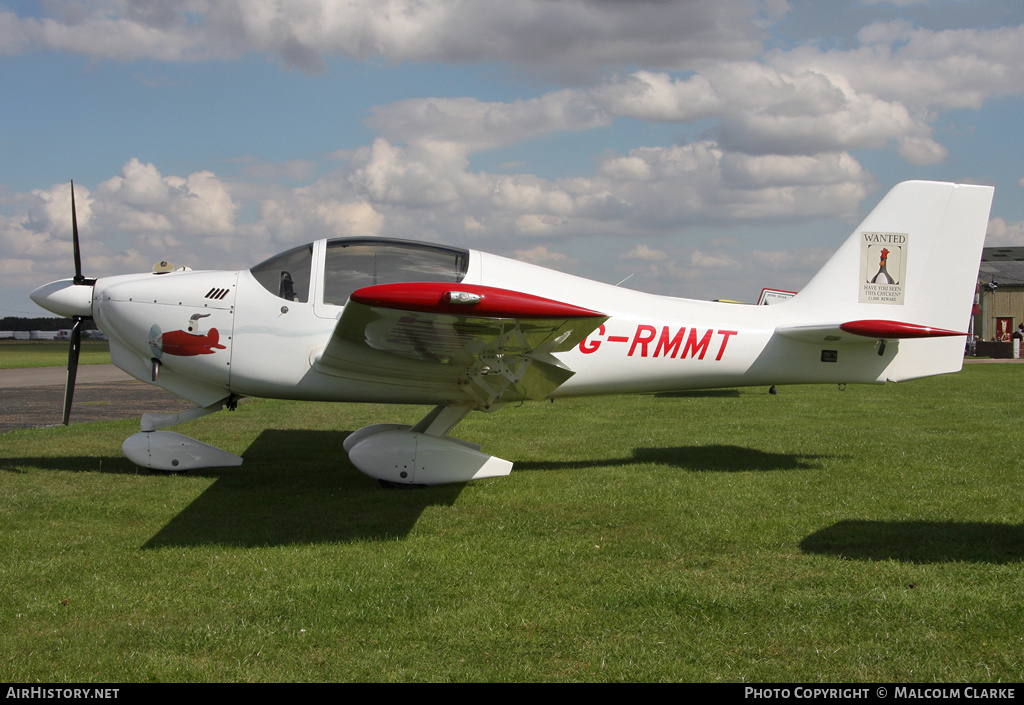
[384, 320]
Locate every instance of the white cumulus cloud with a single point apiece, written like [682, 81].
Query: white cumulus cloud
[569, 37]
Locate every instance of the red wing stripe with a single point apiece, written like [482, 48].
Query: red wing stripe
[429, 297]
[894, 329]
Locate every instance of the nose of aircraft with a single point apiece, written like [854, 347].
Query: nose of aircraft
[65, 298]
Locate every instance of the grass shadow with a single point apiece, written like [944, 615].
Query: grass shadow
[712, 458]
[919, 541]
[700, 394]
[297, 487]
[118, 465]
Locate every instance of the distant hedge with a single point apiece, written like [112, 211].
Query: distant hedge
[41, 323]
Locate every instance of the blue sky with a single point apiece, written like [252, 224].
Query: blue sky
[707, 148]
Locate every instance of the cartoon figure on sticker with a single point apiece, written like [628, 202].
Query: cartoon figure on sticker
[185, 343]
[883, 276]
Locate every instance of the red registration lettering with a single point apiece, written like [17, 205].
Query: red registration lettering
[726, 334]
[587, 346]
[666, 346]
[689, 341]
[644, 334]
[695, 348]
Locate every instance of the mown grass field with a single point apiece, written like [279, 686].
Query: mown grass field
[49, 353]
[871, 534]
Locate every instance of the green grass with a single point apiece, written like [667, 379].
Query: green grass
[873, 534]
[46, 353]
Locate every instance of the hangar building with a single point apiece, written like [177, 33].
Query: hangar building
[1000, 296]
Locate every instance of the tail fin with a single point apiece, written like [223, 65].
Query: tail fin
[908, 271]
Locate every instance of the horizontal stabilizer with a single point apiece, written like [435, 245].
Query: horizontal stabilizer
[863, 332]
[894, 330]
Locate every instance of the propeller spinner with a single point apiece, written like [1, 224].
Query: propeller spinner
[73, 298]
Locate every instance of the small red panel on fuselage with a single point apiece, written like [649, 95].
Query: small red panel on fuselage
[431, 297]
[893, 330]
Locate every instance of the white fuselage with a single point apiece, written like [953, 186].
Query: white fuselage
[386, 320]
[267, 346]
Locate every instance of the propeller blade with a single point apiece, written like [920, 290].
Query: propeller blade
[79, 278]
[76, 328]
[73, 351]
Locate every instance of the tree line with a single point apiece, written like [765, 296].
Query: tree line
[41, 323]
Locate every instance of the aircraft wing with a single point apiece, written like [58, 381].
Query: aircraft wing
[469, 343]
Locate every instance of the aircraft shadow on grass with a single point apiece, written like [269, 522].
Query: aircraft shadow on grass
[295, 487]
[111, 464]
[700, 394]
[711, 458]
[298, 486]
[919, 541]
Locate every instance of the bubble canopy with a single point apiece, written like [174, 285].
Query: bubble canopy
[353, 263]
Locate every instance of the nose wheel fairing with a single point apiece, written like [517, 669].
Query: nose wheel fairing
[166, 451]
